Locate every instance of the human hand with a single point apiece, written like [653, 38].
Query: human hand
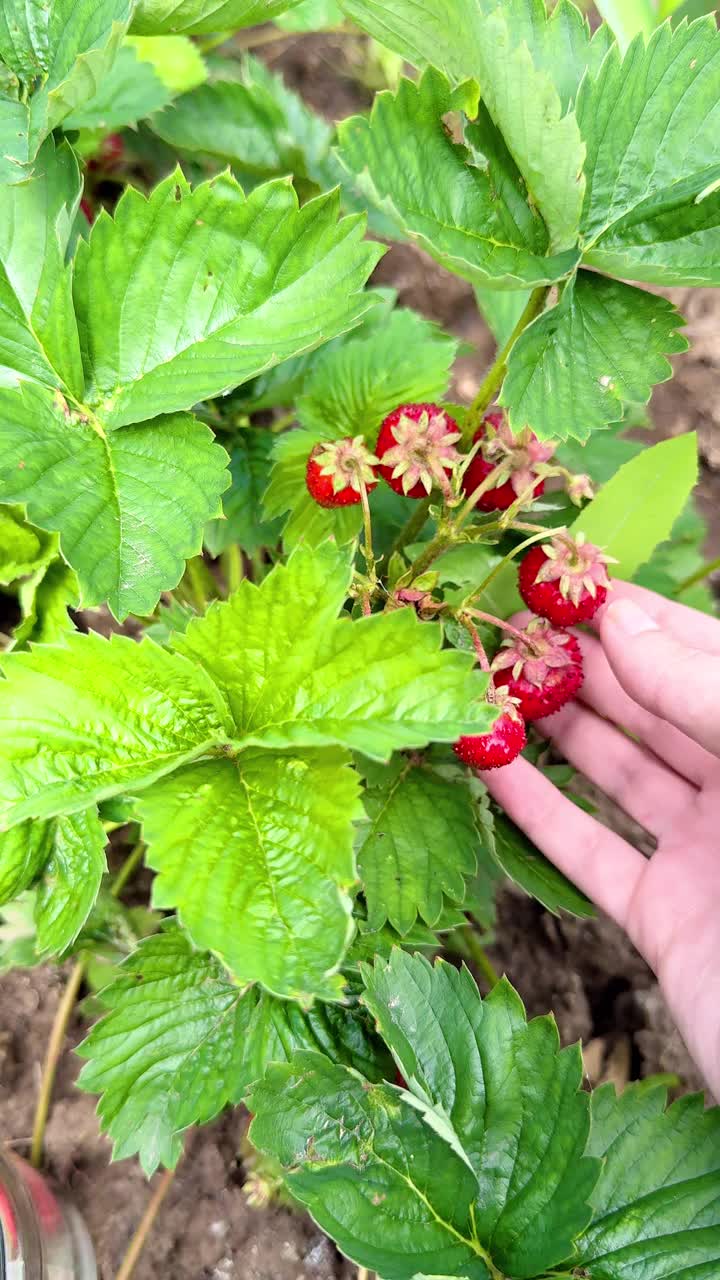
[655, 673]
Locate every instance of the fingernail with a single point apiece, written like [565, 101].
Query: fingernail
[629, 618]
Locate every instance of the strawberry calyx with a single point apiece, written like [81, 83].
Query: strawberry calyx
[518, 461]
[577, 566]
[337, 470]
[416, 447]
[542, 649]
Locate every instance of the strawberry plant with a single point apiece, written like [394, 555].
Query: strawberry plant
[223, 444]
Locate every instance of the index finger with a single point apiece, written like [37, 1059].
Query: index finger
[688, 625]
[598, 861]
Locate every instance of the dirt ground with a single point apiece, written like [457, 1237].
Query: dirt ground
[586, 972]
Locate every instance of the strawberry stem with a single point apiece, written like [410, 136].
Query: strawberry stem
[503, 626]
[492, 382]
[478, 646]
[516, 551]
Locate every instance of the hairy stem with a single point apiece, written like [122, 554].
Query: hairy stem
[231, 563]
[478, 592]
[62, 1020]
[479, 956]
[499, 622]
[52, 1057]
[127, 870]
[491, 384]
[137, 1244]
[478, 645]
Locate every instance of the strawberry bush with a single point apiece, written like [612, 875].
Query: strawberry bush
[221, 443]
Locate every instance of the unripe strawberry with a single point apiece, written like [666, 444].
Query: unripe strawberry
[564, 580]
[416, 447]
[334, 471]
[501, 745]
[519, 456]
[542, 671]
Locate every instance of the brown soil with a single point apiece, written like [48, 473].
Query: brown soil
[586, 972]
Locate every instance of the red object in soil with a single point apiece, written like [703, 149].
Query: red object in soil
[497, 748]
[543, 673]
[416, 447]
[565, 580]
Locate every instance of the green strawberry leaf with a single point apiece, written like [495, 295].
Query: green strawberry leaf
[254, 281]
[130, 91]
[516, 54]
[242, 502]
[417, 842]
[636, 510]
[200, 17]
[509, 1096]
[295, 676]
[176, 60]
[130, 506]
[528, 868]
[472, 220]
[45, 599]
[448, 34]
[477, 1171]
[93, 718]
[71, 880]
[180, 1041]
[15, 155]
[284, 383]
[353, 387]
[255, 123]
[619, 338]
[393, 1192]
[656, 1208]
[349, 391]
[651, 122]
[23, 548]
[677, 244]
[24, 850]
[256, 855]
[234, 125]
[38, 330]
[76, 43]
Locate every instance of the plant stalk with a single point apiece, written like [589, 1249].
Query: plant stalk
[231, 562]
[62, 1020]
[492, 382]
[480, 957]
[52, 1057]
[478, 592]
[139, 1240]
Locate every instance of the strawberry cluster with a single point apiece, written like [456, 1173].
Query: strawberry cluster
[415, 453]
[538, 670]
[563, 581]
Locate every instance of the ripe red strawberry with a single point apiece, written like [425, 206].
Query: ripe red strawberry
[416, 446]
[501, 745]
[542, 671]
[334, 469]
[565, 580]
[520, 457]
